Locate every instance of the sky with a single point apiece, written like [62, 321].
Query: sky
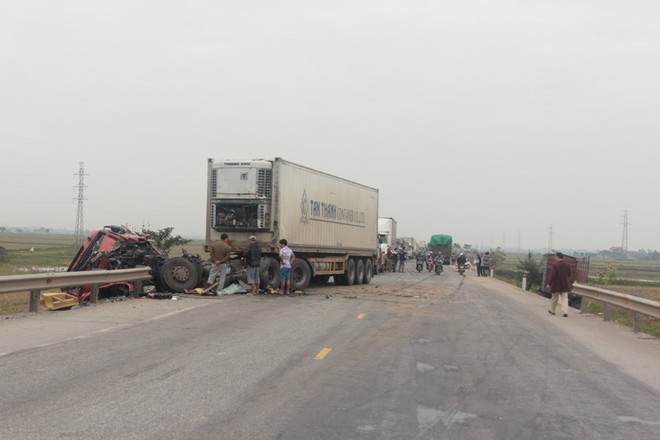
[514, 123]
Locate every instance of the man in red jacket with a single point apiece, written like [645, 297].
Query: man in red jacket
[559, 283]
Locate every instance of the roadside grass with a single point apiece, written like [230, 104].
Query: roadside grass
[634, 277]
[649, 325]
[26, 254]
[13, 303]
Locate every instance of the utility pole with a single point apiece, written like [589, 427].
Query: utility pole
[79, 234]
[624, 239]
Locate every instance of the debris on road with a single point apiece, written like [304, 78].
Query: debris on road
[58, 300]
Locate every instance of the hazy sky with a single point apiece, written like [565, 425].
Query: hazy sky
[487, 120]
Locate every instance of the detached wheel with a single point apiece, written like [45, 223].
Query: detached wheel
[301, 274]
[269, 274]
[178, 274]
[359, 271]
[368, 271]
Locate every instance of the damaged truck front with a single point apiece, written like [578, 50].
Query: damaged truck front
[117, 247]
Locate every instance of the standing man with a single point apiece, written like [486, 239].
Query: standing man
[252, 259]
[485, 264]
[220, 255]
[395, 259]
[286, 258]
[402, 259]
[559, 284]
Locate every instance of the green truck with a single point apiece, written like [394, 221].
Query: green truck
[444, 244]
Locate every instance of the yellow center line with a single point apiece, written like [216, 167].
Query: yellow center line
[360, 316]
[322, 354]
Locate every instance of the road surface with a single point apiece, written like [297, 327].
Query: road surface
[410, 356]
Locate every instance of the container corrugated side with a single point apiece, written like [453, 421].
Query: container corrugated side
[320, 211]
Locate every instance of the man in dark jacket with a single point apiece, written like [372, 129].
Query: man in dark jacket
[559, 283]
[220, 256]
[252, 259]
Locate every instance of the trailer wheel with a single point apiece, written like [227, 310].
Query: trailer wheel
[269, 273]
[178, 274]
[359, 271]
[348, 277]
[301, 274]
[368, 271]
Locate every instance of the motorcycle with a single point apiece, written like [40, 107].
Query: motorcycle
[420, 264]
[438, 267]
[430, 264]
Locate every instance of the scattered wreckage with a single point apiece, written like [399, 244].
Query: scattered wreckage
[117, 247]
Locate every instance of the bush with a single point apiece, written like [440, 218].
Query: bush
[533, 270]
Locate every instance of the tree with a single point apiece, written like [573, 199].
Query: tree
[163, 239]
[533, 270]
[497, 257]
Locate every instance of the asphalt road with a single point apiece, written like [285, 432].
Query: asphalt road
[411, 356]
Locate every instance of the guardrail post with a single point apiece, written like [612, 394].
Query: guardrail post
[94, 295]
[583, 305]
[607, 312]
[637, 326]
[137, 288]
[35, 297]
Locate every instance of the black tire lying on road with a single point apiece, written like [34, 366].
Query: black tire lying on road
[179, 274]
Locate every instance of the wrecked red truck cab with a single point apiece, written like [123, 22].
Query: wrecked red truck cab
[117, 247]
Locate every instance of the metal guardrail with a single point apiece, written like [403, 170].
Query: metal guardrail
[640, 306]
[36, 283]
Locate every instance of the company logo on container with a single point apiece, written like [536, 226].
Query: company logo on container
[304, 208]
[330, 213]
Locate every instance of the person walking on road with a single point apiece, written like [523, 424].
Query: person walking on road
[286, 258]
[252, 259]
[395, 259]
[559, 284]
[220, 255]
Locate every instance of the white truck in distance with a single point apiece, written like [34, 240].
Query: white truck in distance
[330, 223]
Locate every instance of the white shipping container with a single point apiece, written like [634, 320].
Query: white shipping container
[314, 211]
[317, 210]
[387, 229]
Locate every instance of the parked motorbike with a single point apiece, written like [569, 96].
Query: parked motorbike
[420, 264]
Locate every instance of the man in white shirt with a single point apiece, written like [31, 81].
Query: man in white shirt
[286, 258]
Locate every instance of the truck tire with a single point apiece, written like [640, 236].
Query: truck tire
[301, 274]
[348, 277]
[359, 271]
[368, 271]
[179, 274]
[269, 273]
